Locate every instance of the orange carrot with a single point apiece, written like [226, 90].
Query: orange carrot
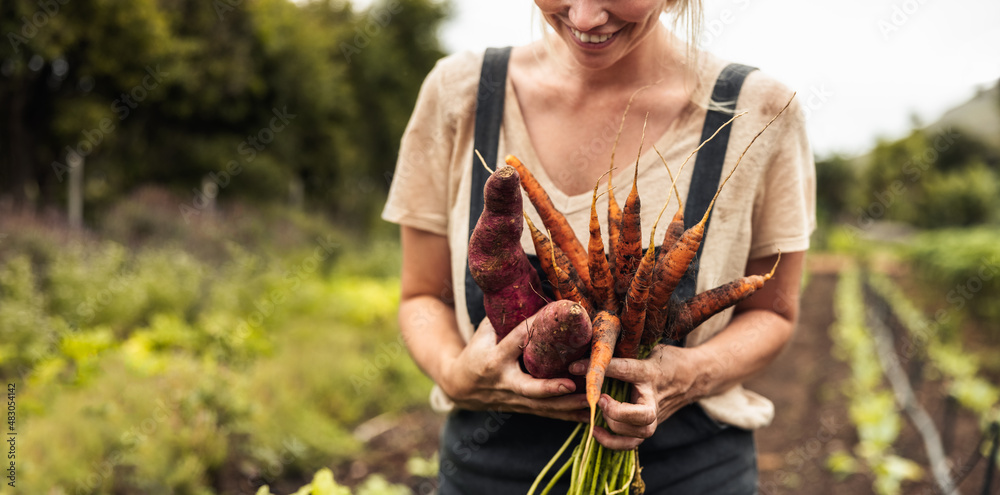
[600, 273]
[568, 290]
[676, 227]
[656, 308]
[671, 267]
[703, 306]
[672, 233]
[606, 327]
[676, 263]
[562, 233]
[628, 252]
[614, 212]
[614, 227]
[634, 313]
[657, 322]
[636, 308]
[546, 252]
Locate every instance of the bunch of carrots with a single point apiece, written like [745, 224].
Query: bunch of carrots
[607, 304]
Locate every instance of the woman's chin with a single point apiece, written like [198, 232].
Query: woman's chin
[592, 61]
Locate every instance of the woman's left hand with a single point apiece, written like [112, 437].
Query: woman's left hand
[663, 383]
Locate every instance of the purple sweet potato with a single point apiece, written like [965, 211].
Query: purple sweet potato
[559, 335]
[511, 287]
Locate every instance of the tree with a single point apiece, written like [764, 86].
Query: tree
[834, 197]
[62, 64]
[252, 94]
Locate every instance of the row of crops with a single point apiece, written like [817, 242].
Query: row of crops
[892, 347]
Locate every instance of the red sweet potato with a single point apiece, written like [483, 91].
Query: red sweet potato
[511, 287]
[559, 335]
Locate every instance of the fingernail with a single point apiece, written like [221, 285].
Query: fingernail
[602, 402]
[563, 389]
[576, 368]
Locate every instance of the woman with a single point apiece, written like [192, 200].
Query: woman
[564, 97]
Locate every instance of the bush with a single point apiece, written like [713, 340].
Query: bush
[961, 266]
[928, 181]
[960, 198]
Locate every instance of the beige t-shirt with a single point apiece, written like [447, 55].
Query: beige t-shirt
[768, 205]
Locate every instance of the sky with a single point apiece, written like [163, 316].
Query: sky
[863, 68]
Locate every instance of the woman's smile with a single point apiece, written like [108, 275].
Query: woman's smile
[600, 34]
[592, 40]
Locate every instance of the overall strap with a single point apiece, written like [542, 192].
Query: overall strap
[708, 164]
[489, 116]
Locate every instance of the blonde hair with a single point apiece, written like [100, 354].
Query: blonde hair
[687, 16]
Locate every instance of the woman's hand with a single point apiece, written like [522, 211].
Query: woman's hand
[673, 377]
[663, 383]
[488, 374]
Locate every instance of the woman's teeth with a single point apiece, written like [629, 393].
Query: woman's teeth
[591, 38]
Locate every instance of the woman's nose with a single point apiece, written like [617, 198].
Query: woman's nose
[587, 14]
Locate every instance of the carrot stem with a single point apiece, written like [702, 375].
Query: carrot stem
[555, 477]
[552, 461]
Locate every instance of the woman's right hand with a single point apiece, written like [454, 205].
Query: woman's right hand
[479, 374]
[487, 375]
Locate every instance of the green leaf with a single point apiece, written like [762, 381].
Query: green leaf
[842, 464]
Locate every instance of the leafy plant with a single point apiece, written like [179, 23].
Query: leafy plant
[872, 407]
[324, 484]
